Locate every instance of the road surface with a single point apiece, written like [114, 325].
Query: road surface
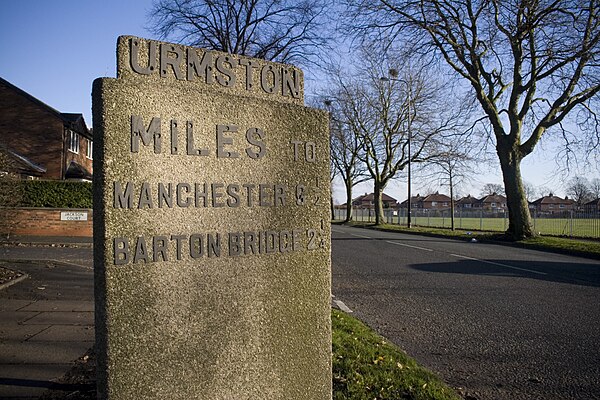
[497, 322]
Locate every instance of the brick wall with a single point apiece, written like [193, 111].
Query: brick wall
[81, 158]
[43, 222]
[32, 130]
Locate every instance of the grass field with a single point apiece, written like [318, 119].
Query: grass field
[576, 227]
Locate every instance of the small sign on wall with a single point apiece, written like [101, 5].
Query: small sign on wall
[73, 216]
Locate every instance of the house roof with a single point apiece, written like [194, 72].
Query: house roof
[467, 200]
[436, 197]
[371, 197]
[74, 121]
[493, 198]
[77, 171]
[24, 165]
[593, 202]
[413, 199]
[551, 199]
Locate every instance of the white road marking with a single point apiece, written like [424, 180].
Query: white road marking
[408, 245]
[361, 236]
[499, 264]
[342, 306]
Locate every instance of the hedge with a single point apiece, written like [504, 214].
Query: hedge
[56, 194]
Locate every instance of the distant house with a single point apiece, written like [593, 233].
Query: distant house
[368, 201]
[466, 203]
[552, 204]
[43, 142]
[416, 202]
[436, 201]
[491, 202]
[592, 206]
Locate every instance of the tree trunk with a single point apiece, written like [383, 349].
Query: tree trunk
[451, 204]
[377, 203]
[348, 202]
[332, 208]
[519, 219]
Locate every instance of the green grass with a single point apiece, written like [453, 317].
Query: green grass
[578, 227]
[367, 367]
[579, 247]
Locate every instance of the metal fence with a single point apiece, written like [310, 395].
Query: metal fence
[577, 224]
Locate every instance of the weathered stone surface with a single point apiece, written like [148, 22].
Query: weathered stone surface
[229, 321]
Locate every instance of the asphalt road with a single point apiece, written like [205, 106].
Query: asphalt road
[55, 273]
[497, 322]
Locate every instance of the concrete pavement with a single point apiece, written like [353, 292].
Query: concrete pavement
[39, 341]
[46, 323]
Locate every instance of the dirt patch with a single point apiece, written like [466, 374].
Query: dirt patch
[7, 275]
[77, 384]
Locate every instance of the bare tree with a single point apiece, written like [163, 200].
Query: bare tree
[345, 147]
[277, 30]
[531, 192]
[492, 188]
[529, 64]
[453, 167]
[595, 188]
[396, 119]
[578, 189]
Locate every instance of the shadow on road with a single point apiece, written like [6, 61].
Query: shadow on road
[576, 274]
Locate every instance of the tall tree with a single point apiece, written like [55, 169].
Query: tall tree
[531, 192]
[277, 30]
[453, 167]
[595, 188]
[345, 148]
[529, 64]
[492, 188]
[400, 118]
[578, 189]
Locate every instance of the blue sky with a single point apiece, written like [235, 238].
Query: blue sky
[54, 49]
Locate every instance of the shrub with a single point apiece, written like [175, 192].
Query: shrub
[57, 194]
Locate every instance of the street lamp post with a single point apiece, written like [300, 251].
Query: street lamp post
[394, 77]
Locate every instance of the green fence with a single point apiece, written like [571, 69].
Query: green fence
[569, 223]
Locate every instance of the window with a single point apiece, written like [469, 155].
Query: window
[561, 206]
[494, 205]
[433, 203]
[73, 142]
[90, 149]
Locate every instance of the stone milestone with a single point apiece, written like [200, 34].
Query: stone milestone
[211, 228]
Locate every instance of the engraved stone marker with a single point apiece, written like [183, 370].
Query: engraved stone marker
[211, 229]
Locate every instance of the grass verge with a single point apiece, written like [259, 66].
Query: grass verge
[576, 247]
[367, 367]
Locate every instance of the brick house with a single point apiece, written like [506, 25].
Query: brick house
[43, 142]
[434, 201]
[466, 203]
[552, 204]
[416, 202]
[367, 201]
[491, 202]
[592, 206]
